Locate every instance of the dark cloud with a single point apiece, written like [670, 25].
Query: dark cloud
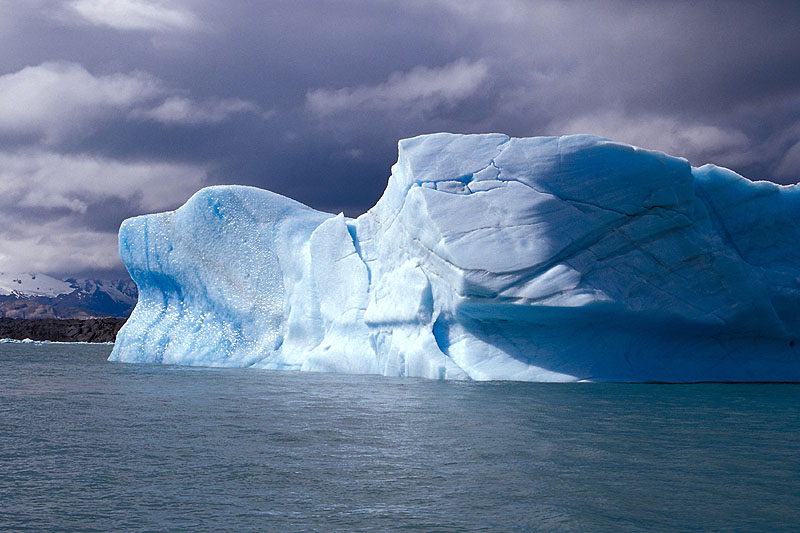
[103, 216]
[109, 109]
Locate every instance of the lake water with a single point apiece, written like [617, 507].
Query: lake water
[90, 445]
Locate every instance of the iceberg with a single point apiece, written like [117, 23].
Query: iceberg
[570, 258]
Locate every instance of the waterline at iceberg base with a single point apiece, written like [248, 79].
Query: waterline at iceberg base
[487, 258]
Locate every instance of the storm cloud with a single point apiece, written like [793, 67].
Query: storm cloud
[114, 108]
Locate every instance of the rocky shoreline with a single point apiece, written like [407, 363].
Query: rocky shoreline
[61, 330]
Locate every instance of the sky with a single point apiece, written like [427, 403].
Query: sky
[114, 108]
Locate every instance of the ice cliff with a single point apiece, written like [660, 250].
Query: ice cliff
[487, 257]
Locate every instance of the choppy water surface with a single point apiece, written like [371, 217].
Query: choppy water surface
[90, 445]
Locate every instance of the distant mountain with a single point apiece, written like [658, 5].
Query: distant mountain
[39, 296]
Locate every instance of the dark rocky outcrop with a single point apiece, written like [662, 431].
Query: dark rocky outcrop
[62, 330]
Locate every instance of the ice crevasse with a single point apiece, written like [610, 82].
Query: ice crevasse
[487, 258]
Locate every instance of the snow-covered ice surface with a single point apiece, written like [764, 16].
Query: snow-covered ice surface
[488, 258]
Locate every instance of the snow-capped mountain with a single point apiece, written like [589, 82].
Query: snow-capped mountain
[27, 284]
[28, 295]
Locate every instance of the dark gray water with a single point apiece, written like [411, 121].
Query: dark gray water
[89, 445]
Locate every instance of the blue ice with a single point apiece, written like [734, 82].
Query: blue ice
[487, 258]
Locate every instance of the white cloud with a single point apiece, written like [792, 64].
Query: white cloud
[180, 110]
[55, 100]
[34, 182]
[421, 87]
[144, 15]
[41, 179]
[354, 153]
[55, 248]
[694, 141]
[501, 11]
